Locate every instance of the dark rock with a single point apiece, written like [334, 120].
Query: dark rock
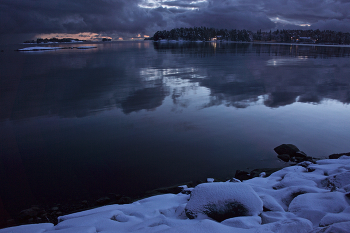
[300, 154]
[229, 210]
[54, 208]
[234, 180]
[288, 149]
[310, 169]
[172, 189]
[336, 156]
[242, 175]
[347, 195]
[284, 157]
[32, 212]
[124, 200]
[268, 171]
[175, 189]
[103, 201]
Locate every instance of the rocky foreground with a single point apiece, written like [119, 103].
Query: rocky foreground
[312, 196]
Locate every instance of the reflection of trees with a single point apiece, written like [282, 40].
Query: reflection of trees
[281, 74]
[237, 74]
[202, 49]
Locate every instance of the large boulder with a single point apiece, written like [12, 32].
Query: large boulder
[288, 149]
[221, 201]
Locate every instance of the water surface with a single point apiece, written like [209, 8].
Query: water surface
[128, 117]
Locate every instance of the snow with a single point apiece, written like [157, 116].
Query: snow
[36, 48]
[306, 198]
[223, 198]
[32, 228]
[210, 180]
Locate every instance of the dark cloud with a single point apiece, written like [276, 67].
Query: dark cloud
[76, 16]
[127, 17]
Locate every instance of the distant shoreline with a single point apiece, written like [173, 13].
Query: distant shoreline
[254, 42]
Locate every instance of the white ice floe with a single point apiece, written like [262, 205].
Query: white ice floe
[307, 198]
[37, 48]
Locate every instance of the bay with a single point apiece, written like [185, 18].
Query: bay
[127, 117]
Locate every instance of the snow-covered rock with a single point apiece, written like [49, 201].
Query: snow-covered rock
[331, 218]
[246, 222]
[310, 197]
[314, 206]
[223, 200]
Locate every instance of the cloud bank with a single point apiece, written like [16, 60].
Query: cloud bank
[123, 18]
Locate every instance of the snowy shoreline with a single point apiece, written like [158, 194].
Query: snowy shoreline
[312, 196]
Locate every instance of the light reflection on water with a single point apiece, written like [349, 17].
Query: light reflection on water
[286, 61]
[133, 116]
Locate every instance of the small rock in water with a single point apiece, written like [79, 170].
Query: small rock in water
[103, 201]
[336, 156]
[288, 149]
[29, 213]
[242, 175]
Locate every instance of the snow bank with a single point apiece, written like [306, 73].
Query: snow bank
[306, 198]
[221, 201]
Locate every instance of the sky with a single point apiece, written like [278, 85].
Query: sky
[125, 19]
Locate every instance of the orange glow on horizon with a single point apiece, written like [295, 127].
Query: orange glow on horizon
[78, 36]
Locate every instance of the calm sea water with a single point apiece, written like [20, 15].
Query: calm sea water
[133, 116]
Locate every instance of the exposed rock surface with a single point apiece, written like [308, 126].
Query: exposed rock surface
[284, 157]
[336, 156]
[289, 152]
[288, 149]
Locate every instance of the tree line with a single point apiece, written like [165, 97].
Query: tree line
[210, 34]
